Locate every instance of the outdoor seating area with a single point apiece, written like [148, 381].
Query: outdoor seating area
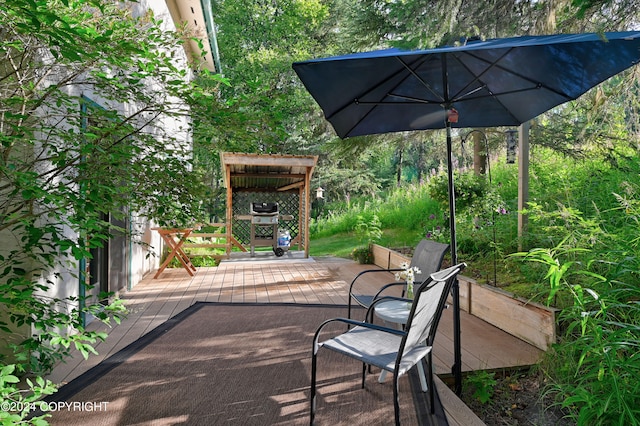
[169, 167]
[393, 350]
[427, 257]
[279, 284]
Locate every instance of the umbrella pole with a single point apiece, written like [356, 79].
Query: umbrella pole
[456, 369]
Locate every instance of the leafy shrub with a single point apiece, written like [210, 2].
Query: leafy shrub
[468, 189]
[594, 369]
[19, 402]
[368, 229]
[362, 255]
[483, 383]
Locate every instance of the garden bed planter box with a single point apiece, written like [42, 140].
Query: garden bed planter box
[531, 322]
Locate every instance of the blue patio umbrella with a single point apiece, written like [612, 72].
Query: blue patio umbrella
[500, 82]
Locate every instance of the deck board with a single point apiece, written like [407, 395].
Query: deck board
[306, 281]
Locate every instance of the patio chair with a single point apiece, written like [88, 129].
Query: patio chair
[390, 349]
[427, 256]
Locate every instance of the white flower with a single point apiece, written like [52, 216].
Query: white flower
[408, 274]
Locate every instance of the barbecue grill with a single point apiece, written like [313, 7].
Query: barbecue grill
[264, 228]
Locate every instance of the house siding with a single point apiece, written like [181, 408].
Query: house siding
[127, 260]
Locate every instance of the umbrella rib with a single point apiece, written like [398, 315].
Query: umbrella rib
[477, 78]
[445, 85]
[458, 96]
[424, 83]
[496, 64]
[357, 100]
[410, 99]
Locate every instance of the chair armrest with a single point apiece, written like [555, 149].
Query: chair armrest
[356, 323]
[448, 273]
[371, 270]
[386, 286]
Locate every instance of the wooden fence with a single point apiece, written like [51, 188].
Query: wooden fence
[213, 240]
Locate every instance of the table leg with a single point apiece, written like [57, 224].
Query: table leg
[175, 250]
[423, 379]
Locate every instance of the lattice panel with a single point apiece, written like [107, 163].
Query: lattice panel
[288, 203]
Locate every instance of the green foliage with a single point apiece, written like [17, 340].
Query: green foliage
[481, 213]
[19, 401]
[419, 24]
[469, 189]
[368, 229]
[368, 232]
[265, 107]
[197, 261]
[483, 383]
[594, 369]
[362, 255]
[89, 96]
[336, 221]
[408, 207]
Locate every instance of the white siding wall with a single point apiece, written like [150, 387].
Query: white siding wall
[138, 263]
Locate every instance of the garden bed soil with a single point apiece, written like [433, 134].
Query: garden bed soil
[518, 399]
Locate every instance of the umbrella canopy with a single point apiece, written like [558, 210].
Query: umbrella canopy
[501, 82]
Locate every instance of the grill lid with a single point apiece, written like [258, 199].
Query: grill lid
[264, 208]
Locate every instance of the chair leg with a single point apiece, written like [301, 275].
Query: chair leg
[312, 400]
[396, 398]
[430, 384]
[364, 372]
[349, 312]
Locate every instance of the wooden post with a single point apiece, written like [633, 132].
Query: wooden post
[307, 205]
[523, 181]
[301, 215]
[229, 232]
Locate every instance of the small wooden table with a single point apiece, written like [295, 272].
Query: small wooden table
[175, 238]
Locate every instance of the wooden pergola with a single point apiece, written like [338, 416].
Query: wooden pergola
[278, 174]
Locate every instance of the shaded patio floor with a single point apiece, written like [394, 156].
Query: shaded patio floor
[293, 279]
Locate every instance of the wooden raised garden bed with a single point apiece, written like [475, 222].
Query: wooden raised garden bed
[531, 322]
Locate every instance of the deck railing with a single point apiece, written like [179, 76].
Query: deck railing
[212, 240]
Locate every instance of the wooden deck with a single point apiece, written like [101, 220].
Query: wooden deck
[291, 279]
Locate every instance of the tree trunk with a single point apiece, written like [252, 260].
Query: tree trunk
[479, 154]
[399, 167]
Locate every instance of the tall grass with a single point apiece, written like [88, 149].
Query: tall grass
[593, 277]
[408, 207]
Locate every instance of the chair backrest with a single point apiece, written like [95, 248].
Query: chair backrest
[428, 257]
[428, 305]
